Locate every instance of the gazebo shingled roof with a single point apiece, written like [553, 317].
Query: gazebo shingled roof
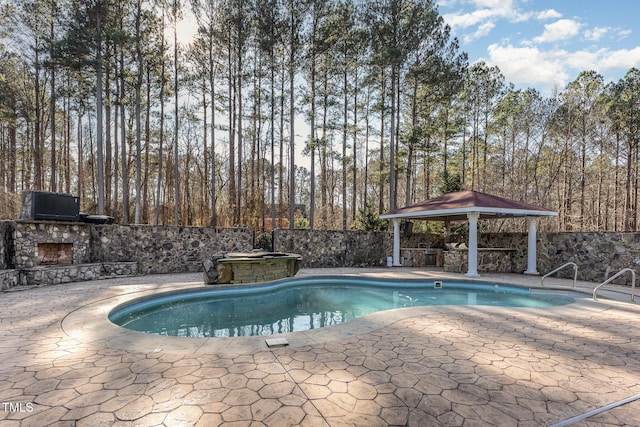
[454, 206]
[471, 206]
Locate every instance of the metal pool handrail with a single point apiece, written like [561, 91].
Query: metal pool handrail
[624, 270]
[575, 273]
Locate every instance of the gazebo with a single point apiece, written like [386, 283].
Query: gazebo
[471, 206]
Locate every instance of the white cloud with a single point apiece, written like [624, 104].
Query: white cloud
[498, 7]
[486, 13]
[446, 3]
[467, 19]
[548, 14]
[482, 31]
[491, 9]
[623, 58]
[562, 29]
[493, 4]
[528, 65]
[531, 66]
[542, 15]
[596, 34]
[582, 60]
[623, 34]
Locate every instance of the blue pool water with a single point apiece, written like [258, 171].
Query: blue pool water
[303, 304]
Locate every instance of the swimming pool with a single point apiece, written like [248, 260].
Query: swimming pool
[308, 303]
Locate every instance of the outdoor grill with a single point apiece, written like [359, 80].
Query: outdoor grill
[44, 205]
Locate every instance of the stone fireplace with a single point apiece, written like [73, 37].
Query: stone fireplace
[41, 243]
[55, 253]
[50, 252]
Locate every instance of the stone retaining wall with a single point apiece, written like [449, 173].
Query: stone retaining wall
[325, 248]
[161, 249]
[596, 254]
[118, 269]
[9, 279]
[101, 251]
[165, 249]
[56, 274]
[53, 275]
[498, 261]
[328, 248]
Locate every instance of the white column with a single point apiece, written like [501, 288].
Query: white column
[531, 246]
[396, 242]
[472, 269]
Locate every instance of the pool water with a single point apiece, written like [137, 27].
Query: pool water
[304, 304]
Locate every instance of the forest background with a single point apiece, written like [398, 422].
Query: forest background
[98, 98]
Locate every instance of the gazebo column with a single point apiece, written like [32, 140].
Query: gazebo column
[531, 246]
[472, 262]
[396, 242]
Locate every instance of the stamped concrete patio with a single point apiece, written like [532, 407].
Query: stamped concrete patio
[63, 364]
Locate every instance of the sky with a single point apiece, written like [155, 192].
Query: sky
[545, 44]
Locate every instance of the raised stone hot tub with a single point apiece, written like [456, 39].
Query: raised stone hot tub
[250, 267]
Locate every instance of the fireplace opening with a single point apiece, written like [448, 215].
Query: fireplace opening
[55, 253]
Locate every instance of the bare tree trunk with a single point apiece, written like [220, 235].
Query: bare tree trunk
[324, 178]
[52, 106]
[214, 216]
[99, 125]
[414, 119]
[312, 195]
[392, 152]
[616, 183]
[383, 94]
[67, 148]
[161, 136]
[281, 163]
[12, 157]
[273, 147]
[256, 195]
[627, 200]
[635, 189]
[205, 189]
[354, 170]
[92, 163]
[138, 112]
[147, 146]
[345, 125]
[123, 146]
[37, 142]
[463, 166]
[116, 122]
[232, 147]
[108, 153]
[365, 197]
[240, 142]
[176, 149]
[292, 137]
